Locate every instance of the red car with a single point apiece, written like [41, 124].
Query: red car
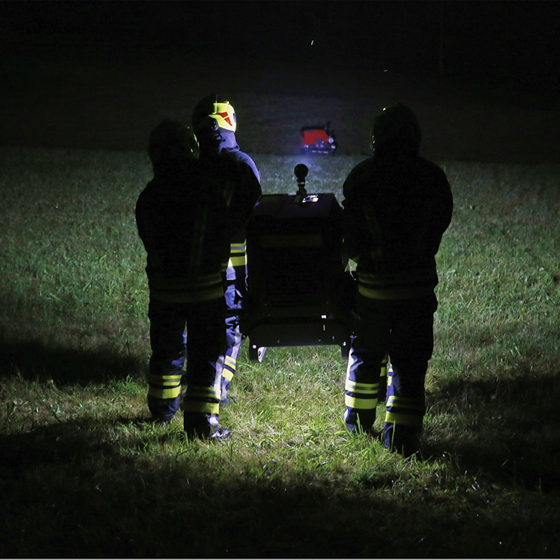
[317, 140]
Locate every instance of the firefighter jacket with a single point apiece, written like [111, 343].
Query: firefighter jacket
[220, 152]
[183, 220]
[396, 209]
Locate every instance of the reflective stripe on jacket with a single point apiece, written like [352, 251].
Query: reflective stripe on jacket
[396, 210]
[183, 221]
[398, 285]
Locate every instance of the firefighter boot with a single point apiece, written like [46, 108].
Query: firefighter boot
[360, 421]
[401, 439]
[163, 410]
[204, 426]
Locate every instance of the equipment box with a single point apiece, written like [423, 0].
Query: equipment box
[296, 273]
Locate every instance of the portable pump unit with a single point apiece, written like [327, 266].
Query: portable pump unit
[299, 288]
[317, 140]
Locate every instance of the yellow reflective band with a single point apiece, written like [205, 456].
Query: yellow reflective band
[380, 280]
[173, 382]
[238, 261]
[164, 380]
[395, 293]
[404, 402]
[164, 393]
[384, 363]
[238, 254]
[201, 407]
[238, 247]
[229, 367]
[225, 116]
[403, 419]
[362, 404]
[169, 383]
[202, 393]
[365, 388]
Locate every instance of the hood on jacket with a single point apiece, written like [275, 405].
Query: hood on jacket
[217, 140]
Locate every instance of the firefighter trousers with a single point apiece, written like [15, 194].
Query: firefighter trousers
[403, 329]
[202, 350]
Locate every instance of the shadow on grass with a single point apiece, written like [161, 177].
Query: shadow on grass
[96, 487]
[510, 429]
[90, 498]
[65, 366]
[70, 491]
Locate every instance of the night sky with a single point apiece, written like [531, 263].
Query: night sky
[483, 76]
[487, 40]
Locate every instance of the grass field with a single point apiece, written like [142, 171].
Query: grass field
[82, 476]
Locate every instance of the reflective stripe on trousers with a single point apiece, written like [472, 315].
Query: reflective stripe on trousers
[202, 350]
[234, 294]
[401, 410]
[404, 330]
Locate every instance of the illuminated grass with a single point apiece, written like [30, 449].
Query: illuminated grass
[82, 475]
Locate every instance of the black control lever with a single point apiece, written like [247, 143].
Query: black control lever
[300, 171]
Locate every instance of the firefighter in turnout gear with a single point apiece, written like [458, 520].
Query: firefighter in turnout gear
[184, 223]
[397, 207]
[214, 122]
